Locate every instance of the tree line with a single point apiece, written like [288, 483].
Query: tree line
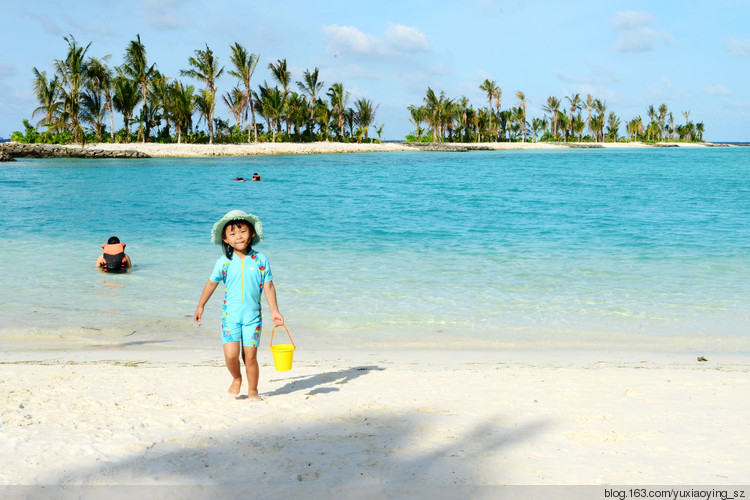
[78, 101]
[575, 119]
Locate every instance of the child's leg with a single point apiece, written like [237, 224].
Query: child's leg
[253, 372]
[232, 359]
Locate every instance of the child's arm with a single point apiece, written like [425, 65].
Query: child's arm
[270, 291]
[100, 261]
[208, 290]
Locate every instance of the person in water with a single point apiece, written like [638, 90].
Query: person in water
[245, 273]
[240, 179]
[256, 176]
[114, 259]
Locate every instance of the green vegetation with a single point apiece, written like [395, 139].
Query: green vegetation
[79, 101]
[456, 120]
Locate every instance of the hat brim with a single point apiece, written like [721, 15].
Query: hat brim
[217, 232]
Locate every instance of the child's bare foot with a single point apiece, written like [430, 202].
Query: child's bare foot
[254, 397]
[234, 389]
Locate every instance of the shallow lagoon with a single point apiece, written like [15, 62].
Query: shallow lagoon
[514, 249]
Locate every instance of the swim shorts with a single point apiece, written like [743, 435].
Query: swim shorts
[248, 335]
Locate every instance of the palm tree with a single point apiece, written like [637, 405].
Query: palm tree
[244, 66]
[158, 97]
[204, 105]
[349, 119]
[662, 120]
[205, 67]
[272, 105]
[437, 112]
[553, 107]
[47, 92]
[311, 86]
[613, 126]
[72, 73]
[93, 110]
[462, 106]
[601, 108]
[575, 105]
[125, 98]
[283, 77]
[135, 65]
[339, 100]
[635, 127]
[365, 113]
[182, 104]
[323, 116]
[577, 125]
[522, 107]
[699, 129]
[589, 107]
[235, 101]
[651, 112]
[491, 89]
[101, 81]
[417, 116]
[537, 126]
[688, 125]
[597, 123]
[297, 113]
[563, 123]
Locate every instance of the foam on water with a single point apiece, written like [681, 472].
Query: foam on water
[518, 248]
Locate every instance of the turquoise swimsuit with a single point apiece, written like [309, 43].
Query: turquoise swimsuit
[244, 279]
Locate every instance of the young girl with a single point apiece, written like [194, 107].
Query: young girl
[245, 273]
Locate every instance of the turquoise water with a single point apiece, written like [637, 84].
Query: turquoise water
[617, 248]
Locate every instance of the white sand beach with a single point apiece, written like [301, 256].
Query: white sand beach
[265, 148]
[369, 420]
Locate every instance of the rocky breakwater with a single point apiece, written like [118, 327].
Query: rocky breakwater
[447, 147]
[11, 150]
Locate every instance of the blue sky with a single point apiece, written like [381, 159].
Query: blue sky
[690, 55]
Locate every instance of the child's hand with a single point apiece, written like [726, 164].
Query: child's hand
[278, 319]
[198, 314]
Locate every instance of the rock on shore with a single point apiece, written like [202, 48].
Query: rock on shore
[11, 150]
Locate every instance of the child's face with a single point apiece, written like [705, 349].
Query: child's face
[238, 236]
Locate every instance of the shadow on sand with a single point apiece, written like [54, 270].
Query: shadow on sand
[313, 382]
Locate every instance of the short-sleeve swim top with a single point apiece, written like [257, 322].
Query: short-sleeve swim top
[244, 281]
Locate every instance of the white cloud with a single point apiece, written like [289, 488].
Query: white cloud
[48, 24]
[397, 40]
[598, 75]
[629, 20]
[406, 38]
[83, 27]
[637, 35]
[642, 40]
[7, 70]
[737, 47]
[165, 14]
[349, 39]
[717, 89]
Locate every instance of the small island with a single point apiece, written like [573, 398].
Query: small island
[166, 116]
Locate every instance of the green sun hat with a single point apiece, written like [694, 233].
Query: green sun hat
[218, 230]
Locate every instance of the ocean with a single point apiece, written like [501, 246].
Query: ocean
[615, 249]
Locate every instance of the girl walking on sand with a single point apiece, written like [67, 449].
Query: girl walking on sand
[245, 273]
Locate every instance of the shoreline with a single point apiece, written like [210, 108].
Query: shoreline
[375, 419]
[154, 150]
[288, 148]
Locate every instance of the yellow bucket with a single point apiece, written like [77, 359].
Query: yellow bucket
[282, 353]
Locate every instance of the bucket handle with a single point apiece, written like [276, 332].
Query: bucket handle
[287, 332]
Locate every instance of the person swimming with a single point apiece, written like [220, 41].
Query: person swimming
[256, 176]
[240, 179]
[113, 259]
